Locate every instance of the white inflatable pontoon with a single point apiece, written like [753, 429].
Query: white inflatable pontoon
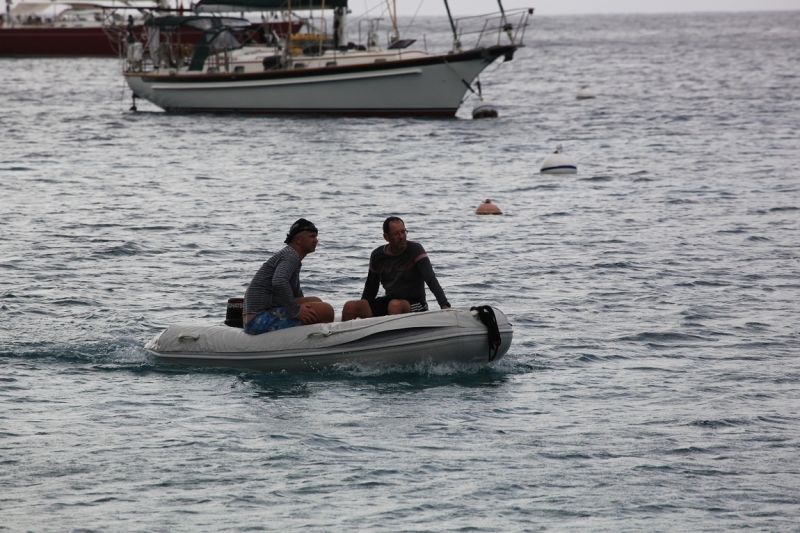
[445, 336]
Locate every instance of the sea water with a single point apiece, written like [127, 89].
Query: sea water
[654, 379]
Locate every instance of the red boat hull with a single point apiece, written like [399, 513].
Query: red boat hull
[56, 42]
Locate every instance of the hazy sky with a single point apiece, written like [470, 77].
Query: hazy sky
[572, 7]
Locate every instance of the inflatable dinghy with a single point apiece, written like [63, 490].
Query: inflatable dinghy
[480, 335]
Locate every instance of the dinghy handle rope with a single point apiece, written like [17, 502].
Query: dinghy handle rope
[325, 332]
[486, 315]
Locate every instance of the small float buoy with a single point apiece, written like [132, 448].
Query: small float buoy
[484, 110]
[488, 208]
[558, 163]
[584, 93]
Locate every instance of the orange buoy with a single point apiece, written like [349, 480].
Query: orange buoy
[488, 208]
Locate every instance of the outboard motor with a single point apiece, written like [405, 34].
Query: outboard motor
[233, 317]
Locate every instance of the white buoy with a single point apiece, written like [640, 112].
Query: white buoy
[558, 163]
[485, 110]
[585, 93]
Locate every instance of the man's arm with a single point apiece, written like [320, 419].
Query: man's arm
[426, 271]
[282, 285]
[371, 286]
[373, 283]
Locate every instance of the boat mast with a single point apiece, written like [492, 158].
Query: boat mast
[506, 25]
[287, 52]
[321, 24]
[456, 44]
[393, 14]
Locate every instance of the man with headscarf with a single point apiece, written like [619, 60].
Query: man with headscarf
[273, 299]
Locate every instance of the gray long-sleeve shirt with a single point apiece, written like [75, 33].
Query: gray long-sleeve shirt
[402, 275]
[276, 284]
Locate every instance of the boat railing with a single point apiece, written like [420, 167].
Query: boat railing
[140, 56]
[506, 27]
[172, 56]
[371, 32]
[146, 51]
[116, 36]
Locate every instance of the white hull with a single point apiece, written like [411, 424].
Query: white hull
[433, 85]
[447, 336]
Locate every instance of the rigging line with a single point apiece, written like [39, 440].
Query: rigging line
[393, 16]
[365, 15]
[370, 10]
[123, 89]
[489, 75]
[413, 18]
[486, 77]
[446, 62]
[456, 44]
[480, 97]
[124, 84]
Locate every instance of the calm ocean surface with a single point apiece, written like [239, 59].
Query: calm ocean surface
[654, 379]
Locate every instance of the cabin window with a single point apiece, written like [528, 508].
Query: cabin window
[330, 64]
[299, 65]
[381, 60]
[238, 69]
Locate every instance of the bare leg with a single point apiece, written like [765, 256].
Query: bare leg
[356, 309]
[323, 312]
[399, 307]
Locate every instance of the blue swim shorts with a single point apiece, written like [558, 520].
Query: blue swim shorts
[271, 320]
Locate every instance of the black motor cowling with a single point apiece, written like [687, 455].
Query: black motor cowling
[233, 317]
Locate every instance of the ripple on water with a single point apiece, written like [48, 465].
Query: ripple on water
[653, 296]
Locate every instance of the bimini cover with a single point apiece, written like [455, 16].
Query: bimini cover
[198, 22]
[230, 6]
[224, 339]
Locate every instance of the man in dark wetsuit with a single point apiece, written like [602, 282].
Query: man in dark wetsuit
[273, 299]
[402, 267]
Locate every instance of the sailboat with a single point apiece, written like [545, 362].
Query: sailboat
[320, 72]
[66, 28]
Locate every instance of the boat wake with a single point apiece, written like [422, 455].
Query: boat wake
[128, 354]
